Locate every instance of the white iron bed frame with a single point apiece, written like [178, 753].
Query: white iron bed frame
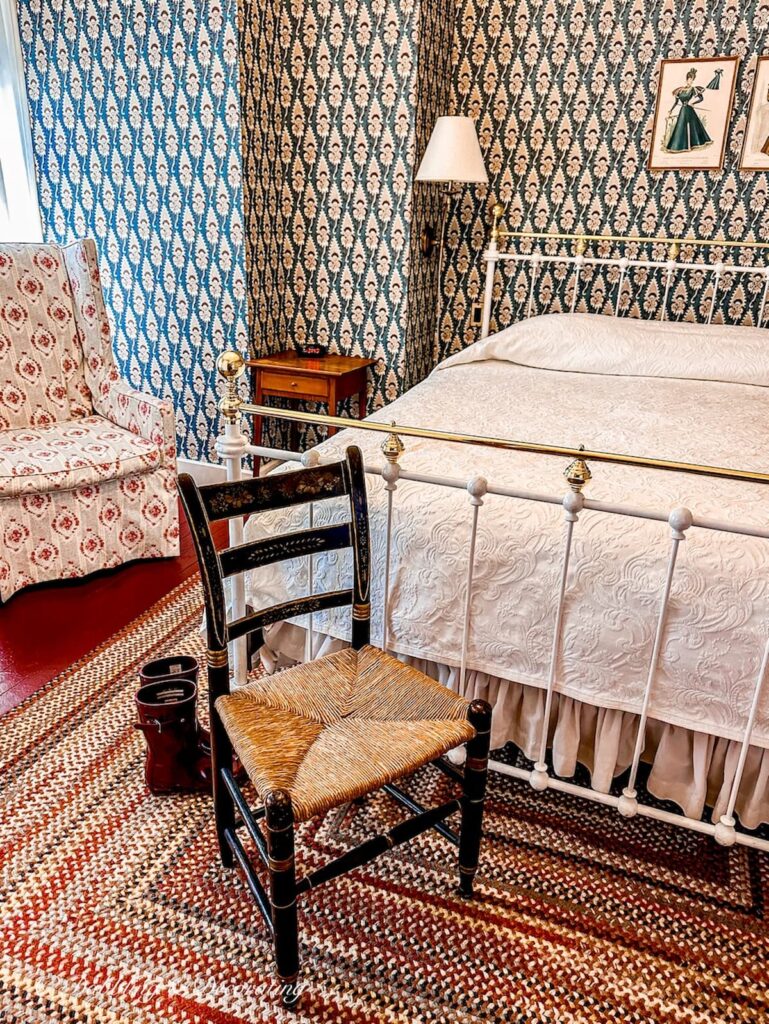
[233, 447]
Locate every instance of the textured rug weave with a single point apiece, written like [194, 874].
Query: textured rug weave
[114, 906]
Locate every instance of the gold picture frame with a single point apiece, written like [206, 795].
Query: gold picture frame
[695, 96]
[755, 145]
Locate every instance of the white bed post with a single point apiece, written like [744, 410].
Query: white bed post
[579, 262]
[476, 488]
[310, 459]
[680, 520]
[578, 474]
[491, 268]
[231, 448]
[670, 268]
[392, 449]
[536, 263]
[764, 297]
[718, 270]
[725, 832]
[623, 265]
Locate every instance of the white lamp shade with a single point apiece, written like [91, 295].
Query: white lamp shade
[453, 153]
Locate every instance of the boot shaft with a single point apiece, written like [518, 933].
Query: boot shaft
[167, 717]
[183, 666]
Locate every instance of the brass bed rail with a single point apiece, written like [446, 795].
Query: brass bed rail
[581, 239]
[231, 366]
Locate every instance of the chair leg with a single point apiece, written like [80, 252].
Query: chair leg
[279, 818]
[474, 794]
[221, 754]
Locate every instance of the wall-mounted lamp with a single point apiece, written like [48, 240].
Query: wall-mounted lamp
[453, 157]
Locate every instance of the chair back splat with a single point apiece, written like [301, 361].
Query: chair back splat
[206, 505]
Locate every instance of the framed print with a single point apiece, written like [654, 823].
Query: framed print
[691, 118]
[755, 148]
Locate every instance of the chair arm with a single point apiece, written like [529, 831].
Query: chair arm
[146, 415]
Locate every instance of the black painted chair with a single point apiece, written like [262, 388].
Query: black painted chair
[321, 734]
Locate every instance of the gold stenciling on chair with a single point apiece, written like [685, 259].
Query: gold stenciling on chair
[361, 612]
[216, 659]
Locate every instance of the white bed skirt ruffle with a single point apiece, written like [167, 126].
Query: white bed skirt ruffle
[693, 769]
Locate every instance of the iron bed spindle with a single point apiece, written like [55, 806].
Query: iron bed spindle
[680, 521]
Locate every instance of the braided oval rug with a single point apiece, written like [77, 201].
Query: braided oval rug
[114, 907]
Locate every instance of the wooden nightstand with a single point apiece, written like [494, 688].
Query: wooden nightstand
[328, 379]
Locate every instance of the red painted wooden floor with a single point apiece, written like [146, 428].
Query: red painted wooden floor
[46, 628]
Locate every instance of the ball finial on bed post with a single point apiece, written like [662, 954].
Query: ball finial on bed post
[725, 833]
[230, 366]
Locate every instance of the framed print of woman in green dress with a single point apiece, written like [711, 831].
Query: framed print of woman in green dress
[691, 120]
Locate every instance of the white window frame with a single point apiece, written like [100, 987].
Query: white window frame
[19, 208]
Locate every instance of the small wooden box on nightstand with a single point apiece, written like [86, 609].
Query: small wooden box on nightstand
[328, 379]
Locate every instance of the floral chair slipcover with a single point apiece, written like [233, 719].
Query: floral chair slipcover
[87, 465]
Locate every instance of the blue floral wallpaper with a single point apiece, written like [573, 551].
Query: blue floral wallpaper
[136, 128]
[247, 168]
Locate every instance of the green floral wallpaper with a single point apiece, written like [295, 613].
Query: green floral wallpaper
[336, 98]
[563, 93]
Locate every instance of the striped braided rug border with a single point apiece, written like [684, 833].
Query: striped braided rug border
[114, 908]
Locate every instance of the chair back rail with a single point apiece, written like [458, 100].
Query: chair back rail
[262, 494]
[289, 610]
[206, 505]
[292, 545]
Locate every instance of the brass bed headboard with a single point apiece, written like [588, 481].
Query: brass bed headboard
[581, 241]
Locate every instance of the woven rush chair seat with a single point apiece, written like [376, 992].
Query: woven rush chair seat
[335, 729]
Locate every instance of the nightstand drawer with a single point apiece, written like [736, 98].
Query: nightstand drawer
[294, 384]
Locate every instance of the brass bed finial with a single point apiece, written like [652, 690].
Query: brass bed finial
[392, 446]
[230, 366]
[578, 473]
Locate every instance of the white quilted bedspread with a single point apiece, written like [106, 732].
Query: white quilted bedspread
[719, 618]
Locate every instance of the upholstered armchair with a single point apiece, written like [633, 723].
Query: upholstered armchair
[87, 464]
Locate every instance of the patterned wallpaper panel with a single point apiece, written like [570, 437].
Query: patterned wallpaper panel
[563, 92]
[335, 97]
[136, 127]
[436, 34]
